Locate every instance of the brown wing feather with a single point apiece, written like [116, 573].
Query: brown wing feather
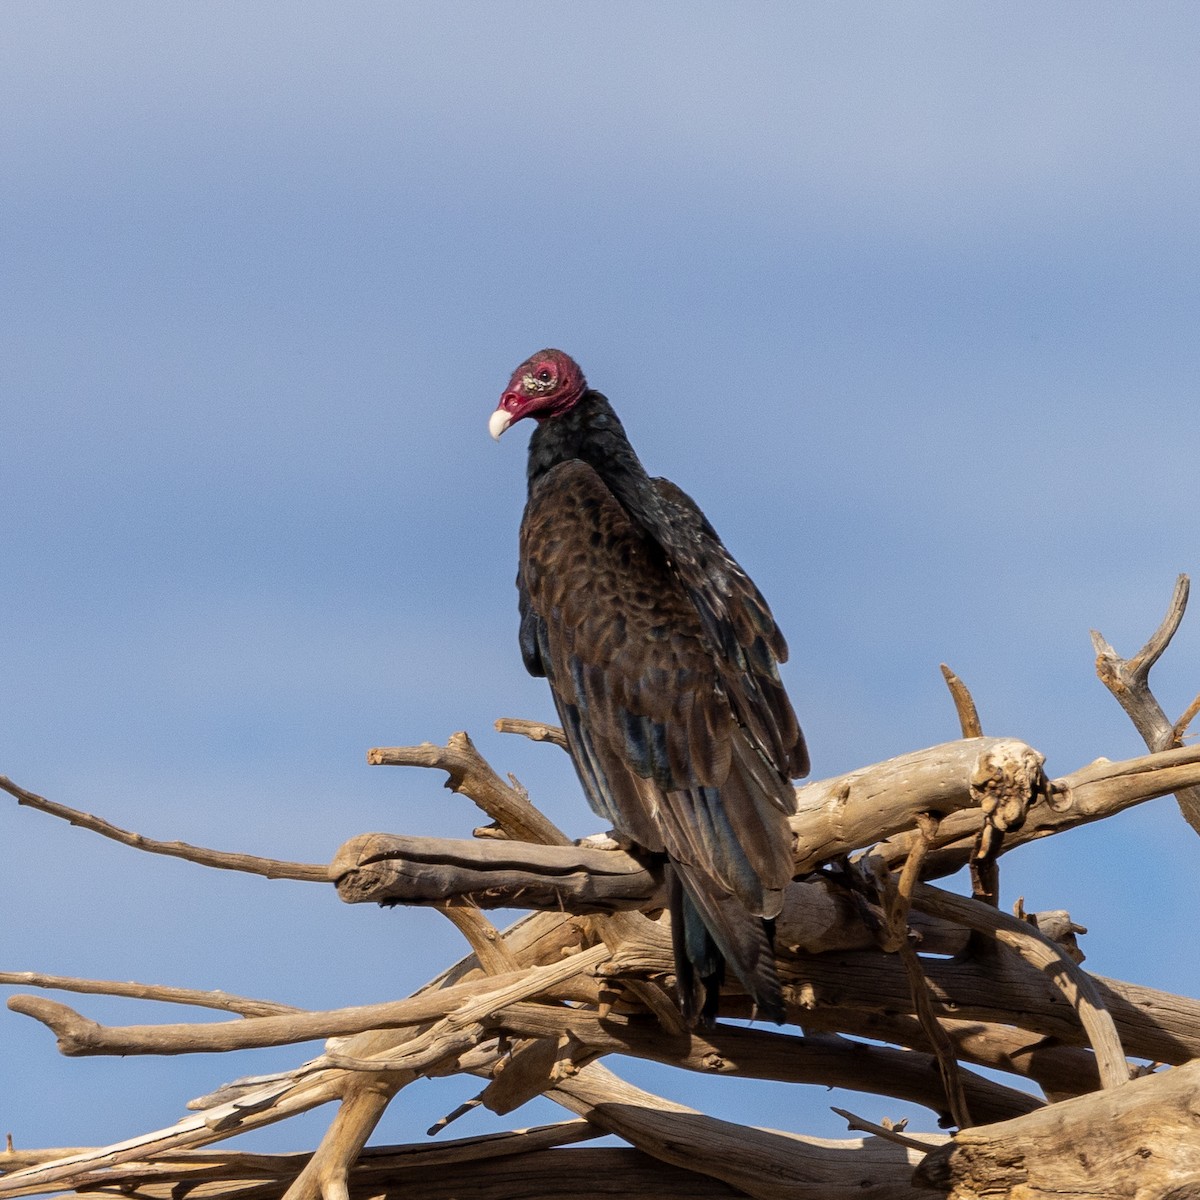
[645, 704]
[746, 642]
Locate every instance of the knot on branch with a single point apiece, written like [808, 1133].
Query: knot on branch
[1007, 779]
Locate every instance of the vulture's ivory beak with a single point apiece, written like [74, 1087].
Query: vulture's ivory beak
[498, 422]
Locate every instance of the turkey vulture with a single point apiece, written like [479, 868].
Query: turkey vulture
[662, 658]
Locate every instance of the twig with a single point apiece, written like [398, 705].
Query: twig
[535, 731]
[897, 899]
[482, 936]
[1129, 682]
[454, 1032]
[1180, 728]
[149, 991]
[472, 776]
[77, 1036]
[964, 705]
[272, 868]
[862, 1125]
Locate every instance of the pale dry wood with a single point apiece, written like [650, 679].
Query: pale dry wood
[762, 1054]
[363, 1103]
[1129, 682]
[242, 1005]
[482, 936]
[233, 1169]
[1001, 990]
[461, 1027]
[896, 897]
[272, 868]
[1185, 719]
[605, 1173]
[535, 731]
[837, 816]
[964, 704]
[1140, 1141]
[509, 806]
[889, 1133]
[766, 1164]
[389, 868]
[77, 1036]
[472, 776]
[529, 1069]
[1090, 794]
[346, 1137]
[1059, 1070]
[969, 784]
[252, 1110]
[1048, 956]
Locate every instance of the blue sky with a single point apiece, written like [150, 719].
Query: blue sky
[906, 296]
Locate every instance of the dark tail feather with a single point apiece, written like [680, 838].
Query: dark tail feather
[710, 929]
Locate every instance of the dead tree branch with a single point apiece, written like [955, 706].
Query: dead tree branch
[1129, 682]
[900, 988]
[1142, 1139]
[272, 868]
[472, 776]
[760, 1162]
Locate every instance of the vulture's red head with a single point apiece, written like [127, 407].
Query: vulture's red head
[543, 386]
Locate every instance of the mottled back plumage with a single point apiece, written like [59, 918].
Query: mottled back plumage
[662, 658]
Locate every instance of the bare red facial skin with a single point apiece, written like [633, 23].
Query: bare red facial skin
[543, 386]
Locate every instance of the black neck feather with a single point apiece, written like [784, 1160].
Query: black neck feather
[591, 431]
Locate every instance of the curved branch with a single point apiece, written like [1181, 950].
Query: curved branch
[79, 1037]
[762, 1163]
[272, 868]
[149, 991]
[472, 776]
[1047, 956]
[1092, 793]
[964, 704]
[762, 1054]
[1129, 682]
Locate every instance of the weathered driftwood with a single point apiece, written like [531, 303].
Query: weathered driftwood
[210, 1174]
[79, 1037]
[1000, 777]
[1075, 985]
[763, 1163]
[469, 772]
[532, 1009]
[1141, 1140]
[1129, 682]
[957, 778]
[388, 868]
[760, 1054]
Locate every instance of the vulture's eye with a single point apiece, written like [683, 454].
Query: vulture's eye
[545, 375]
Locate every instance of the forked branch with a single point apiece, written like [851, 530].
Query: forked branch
[1129, 682]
